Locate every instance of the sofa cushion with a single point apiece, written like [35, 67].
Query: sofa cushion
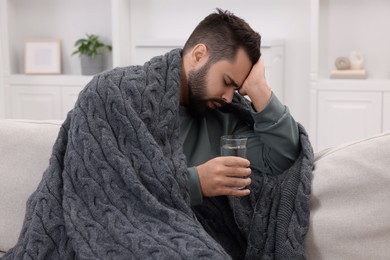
[25, 148]
[350, 204]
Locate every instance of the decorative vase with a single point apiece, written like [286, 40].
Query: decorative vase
[342, 63]
[357, 60]
[91, 66]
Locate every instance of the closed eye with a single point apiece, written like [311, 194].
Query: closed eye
[230, 82]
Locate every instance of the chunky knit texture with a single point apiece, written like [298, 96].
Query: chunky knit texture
[117, 186]
[272, 222]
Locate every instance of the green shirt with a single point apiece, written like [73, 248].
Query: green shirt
[272, 146]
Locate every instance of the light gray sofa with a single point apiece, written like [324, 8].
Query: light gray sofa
[350, 204]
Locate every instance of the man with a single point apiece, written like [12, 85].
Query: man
[142, 144]
[223, 56]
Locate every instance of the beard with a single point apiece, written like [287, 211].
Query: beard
[197, 96]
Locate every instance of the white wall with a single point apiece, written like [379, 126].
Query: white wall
[358, 26]
[2, 101]
[2, 58]
[174, 20]
[67, 22]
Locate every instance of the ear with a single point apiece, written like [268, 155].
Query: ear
[199, 54]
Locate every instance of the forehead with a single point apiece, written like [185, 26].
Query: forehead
[237, 70]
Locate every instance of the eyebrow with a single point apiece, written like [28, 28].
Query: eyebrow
[235, 84]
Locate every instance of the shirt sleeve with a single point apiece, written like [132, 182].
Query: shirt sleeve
[195, 190]
[273, 143]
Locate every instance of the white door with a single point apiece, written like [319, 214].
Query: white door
[347, 116]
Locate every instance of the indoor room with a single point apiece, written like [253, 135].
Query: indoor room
[79, 103]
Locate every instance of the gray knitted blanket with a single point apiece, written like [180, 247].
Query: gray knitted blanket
[117, 187]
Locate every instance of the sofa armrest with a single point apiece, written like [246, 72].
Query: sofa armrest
[25, 148]
[350, 208]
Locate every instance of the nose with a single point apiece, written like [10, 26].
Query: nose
[228, 95]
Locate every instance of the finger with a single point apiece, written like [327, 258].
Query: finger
[237, 192]
[234, 182]
[239, 182]
[235, 161]
[237, 172]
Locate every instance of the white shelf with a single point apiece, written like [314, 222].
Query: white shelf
[345, 109]
[63, 80]
[354, 84]
[341, 28]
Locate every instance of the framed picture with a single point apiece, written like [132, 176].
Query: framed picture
[42, 56]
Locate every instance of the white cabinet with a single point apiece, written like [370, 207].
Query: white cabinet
[42, 97]
[69, 95]
[347, 116]
[349, 109]
[35, 102]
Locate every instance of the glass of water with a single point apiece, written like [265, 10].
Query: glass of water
[234, 145]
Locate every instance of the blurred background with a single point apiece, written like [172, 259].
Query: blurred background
[301, 40]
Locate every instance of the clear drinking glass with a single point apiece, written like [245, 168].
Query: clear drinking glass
[234, 145]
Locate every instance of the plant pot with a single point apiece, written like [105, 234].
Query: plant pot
[91, 66]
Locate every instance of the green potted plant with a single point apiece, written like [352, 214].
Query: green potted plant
[90, 51]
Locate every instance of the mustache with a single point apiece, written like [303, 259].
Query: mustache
[218, 100]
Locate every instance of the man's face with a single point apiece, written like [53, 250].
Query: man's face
[212, 86]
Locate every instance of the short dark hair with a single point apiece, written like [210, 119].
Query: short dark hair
[224, 33]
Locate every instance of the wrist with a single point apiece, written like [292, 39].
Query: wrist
[260, 96]
[196, 196]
